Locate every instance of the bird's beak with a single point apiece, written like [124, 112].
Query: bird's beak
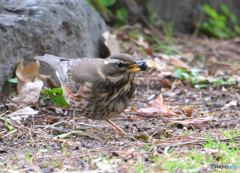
[138, 66]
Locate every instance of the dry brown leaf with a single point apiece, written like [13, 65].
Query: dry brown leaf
[155, 108]
[166, 83]
[163, 74]
[133, 109]
[111, 43]
[142, 136]
[214, 60]
[198, 123]
[29, 84]
[232, 103]
[188, 111]
[177, 62]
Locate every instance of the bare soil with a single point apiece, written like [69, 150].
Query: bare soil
[44, 142]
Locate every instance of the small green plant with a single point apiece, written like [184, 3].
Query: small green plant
[27, 154]
[139, 168]
[216, 26]
[45, 164]
[154, 21]
[166, 49]
[56, 96]
[193, 77]
[225, 155]
[13, 80]
[55, 163]
[32, 142]
[146, 147]
[103, 4]
[134, 33]
[64, 149]
[120, 17]
[168, 30]
[210, 142]
[152, 15]
[6, 124]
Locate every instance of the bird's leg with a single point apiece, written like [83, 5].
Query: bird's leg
[74, 119]
[114, 125]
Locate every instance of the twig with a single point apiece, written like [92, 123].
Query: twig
[61, 130]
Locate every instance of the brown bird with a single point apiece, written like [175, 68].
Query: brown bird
[97, 88]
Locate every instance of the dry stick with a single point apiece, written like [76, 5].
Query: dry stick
[5, 113]
[10, 133]
[75, 132]
[49, 126]
[74, 119]
[19, 127]
[114, 125]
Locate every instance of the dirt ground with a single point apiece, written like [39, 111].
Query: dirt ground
[45, 142]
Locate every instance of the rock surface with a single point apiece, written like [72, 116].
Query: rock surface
[186, 14]
[67, 28]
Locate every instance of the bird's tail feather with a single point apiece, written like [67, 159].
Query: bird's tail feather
[61, 67]
[51, 60]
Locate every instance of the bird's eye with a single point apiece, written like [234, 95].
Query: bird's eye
[119, 65]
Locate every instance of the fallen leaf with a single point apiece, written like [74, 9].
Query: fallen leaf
[163, 74]
[142, 42]
[29, 84]
[38, 153]
[155, 108]
[214, 60]
[129, 47]
[188, 111]
[141, 136]
[111, 43]
[188, 55]
[177, 62]
[198, 123]
[133, 109]
[166, 83]
[230, 104]
[21, 114]
[23, 111]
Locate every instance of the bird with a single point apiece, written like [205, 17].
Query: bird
[97, 88]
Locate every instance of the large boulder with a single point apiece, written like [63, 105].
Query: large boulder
[67, 28]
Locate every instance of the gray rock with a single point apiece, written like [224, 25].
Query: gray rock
[66, 28]
[186, 14]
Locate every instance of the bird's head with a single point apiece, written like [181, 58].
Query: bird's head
[122, 66]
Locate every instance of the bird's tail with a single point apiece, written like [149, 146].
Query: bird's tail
[61, 67]
[51, 60]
